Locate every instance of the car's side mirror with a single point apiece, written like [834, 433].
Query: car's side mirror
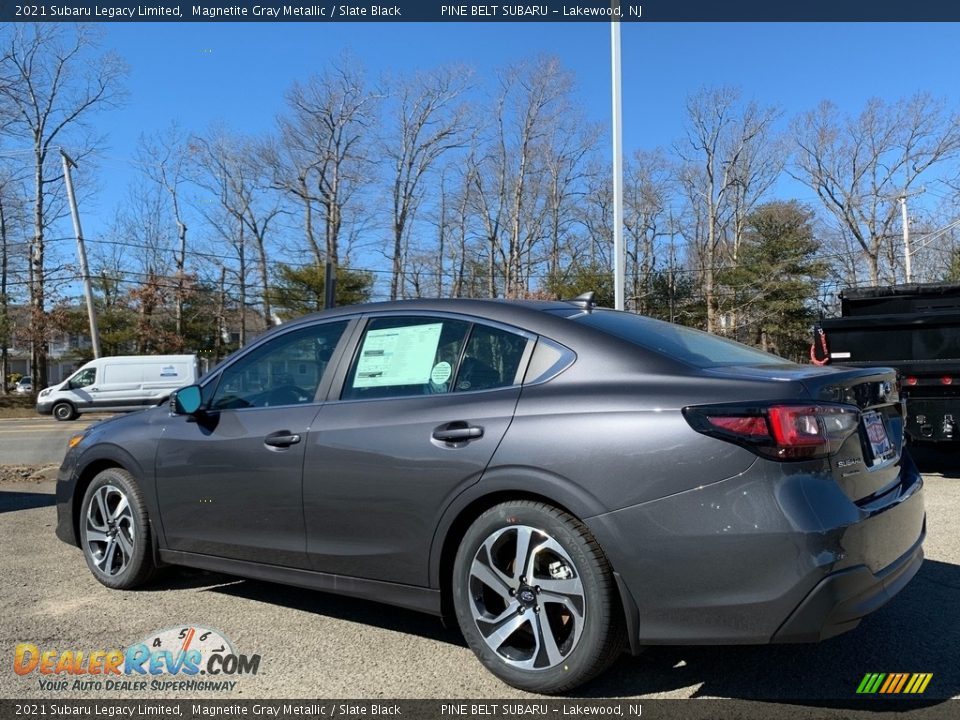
[187, 400]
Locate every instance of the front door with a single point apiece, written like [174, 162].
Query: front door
[229, 481]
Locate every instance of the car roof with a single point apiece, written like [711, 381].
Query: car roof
[529, 313]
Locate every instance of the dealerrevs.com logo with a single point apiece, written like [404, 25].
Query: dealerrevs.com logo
[184, 658]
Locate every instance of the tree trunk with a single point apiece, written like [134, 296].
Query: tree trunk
[181, 263]
[4, 303]
[38, 318]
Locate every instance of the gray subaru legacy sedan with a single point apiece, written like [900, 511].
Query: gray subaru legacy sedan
[567, 482]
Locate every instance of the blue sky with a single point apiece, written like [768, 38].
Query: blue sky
[200, 73]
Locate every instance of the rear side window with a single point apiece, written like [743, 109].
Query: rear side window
[491, 360]
[681, 343]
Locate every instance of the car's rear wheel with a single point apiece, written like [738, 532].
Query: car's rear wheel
[64, 411]
[115, 532]
[535, 597]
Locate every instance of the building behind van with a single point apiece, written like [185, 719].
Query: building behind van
[118, 384]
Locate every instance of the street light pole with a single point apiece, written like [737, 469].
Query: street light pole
[618, 254]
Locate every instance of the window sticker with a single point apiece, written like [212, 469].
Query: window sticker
[440, 373]
[398, 356]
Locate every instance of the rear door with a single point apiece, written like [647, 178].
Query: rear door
[419, 412]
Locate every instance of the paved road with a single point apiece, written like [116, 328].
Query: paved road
[318, 645]
[39, 440]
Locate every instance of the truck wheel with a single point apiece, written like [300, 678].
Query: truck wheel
[64, 411]
[535, 597]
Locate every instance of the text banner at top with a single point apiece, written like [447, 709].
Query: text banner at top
[428, 11]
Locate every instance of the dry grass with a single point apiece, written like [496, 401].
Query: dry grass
[17, 406]
[27, 473]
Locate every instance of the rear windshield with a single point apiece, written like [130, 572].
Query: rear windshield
[681, 343]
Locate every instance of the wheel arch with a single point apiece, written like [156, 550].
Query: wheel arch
[104, 458]
[498, 486]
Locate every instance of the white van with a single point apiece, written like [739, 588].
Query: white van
[118, 384]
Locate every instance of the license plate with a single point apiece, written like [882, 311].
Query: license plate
[877, 435]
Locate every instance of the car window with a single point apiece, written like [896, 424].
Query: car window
[682, 343]
[84, 378]
[286, 370]
[404, 356]
[491, 359]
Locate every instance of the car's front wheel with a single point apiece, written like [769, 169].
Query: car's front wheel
[114, 530]
[535, 597]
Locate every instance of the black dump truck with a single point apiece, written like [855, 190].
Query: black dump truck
[914, 329]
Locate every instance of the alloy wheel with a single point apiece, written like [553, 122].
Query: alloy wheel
[527, 598]
[110, 530]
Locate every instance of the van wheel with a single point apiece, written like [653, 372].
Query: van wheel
[64, 411]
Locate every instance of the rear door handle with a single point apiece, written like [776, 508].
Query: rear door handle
[457, 432]
[281, 439]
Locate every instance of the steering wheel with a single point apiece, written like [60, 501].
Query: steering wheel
[286, 395]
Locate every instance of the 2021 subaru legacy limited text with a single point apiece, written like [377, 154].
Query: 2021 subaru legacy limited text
[566, 481]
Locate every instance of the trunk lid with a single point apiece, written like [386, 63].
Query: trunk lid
[868, 463]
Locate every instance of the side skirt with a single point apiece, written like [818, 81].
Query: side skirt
[420, 599]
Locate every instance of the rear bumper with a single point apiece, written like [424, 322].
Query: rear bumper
[842, 599]
[777, 554]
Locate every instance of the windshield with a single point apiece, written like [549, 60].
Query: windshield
[676, 341]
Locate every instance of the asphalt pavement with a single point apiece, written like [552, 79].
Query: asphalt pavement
[39, 440]
[313, 644]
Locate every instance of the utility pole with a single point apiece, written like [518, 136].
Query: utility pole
[81, 253]
[619, 280]
[329, 285]
[907, 255]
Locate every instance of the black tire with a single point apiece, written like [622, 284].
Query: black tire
[126, 532]
[491, 540]
[64, 411]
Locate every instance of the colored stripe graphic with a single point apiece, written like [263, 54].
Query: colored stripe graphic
[894, 683]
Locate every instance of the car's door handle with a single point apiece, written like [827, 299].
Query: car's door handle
[94, 389]
[457, 432]
[281, 439]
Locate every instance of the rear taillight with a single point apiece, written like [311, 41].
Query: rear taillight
[783, 432]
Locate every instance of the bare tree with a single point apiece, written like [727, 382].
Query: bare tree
[53, 83]
[859, 166]
[431, 120]
[322, 156]
[13, 223]
[164, 159]
[647, 220]
[229, 170]
[511, 185]
[723, 175]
